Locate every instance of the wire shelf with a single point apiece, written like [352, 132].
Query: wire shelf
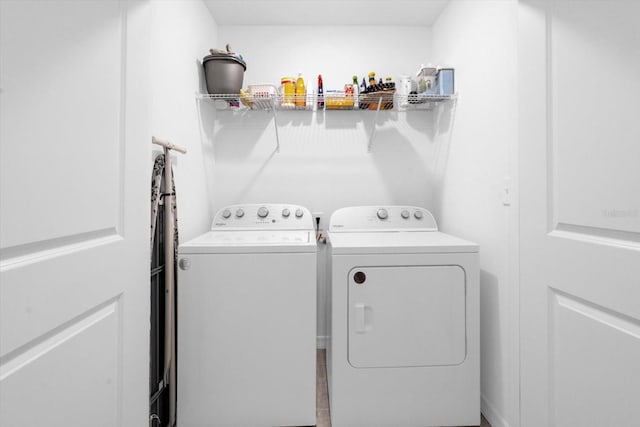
[311, 102]
[269, 100]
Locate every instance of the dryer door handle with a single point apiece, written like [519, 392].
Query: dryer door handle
[364, 315]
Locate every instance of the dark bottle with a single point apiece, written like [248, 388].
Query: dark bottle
[389, 84]
[320, 92]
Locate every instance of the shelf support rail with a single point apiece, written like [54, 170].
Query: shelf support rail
[375, 122]
[275, 124]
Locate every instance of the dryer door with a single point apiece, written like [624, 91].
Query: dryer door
[406, 316]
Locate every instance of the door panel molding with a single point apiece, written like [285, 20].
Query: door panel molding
[596, 312]
[80, 359]
[40, 296]
[73, 110]
[23, 255]
[592, 350]
[21, 357]
[595, 235]
[591, 142]
[551, 155]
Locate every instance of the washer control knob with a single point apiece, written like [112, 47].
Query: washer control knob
[418, 214]
[405, 214]
[226, 213]
[383, 214]
[299, 213]
[239, 212]
[263, 212]
[185, 263]
[286, 212]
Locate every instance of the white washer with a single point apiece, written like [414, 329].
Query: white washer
[247, 320]
[404, 322]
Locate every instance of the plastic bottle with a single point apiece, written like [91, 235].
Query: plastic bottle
[348, 96]
[301, 92]
[289, 92]
[388, 83]
[320, 93]
[355, 92]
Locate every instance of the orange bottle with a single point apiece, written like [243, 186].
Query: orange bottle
[289, 91]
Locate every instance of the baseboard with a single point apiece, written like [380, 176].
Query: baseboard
[322, 341]
[489, 412]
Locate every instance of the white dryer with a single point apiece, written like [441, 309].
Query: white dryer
[247, 320]
[404, 346]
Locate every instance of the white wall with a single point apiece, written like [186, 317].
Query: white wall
[479, 39]
[183, 32]
[323, 163]
[336, 52]
[323, 152]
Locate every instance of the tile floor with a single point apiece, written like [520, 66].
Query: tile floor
[322, 394]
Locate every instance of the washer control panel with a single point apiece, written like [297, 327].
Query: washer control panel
[382, 218]
[263, 216]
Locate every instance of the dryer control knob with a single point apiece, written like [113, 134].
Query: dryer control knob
[299, 213]
[226, 213]
[383, 214]
[239, 213]
[263, 212]
[286, 212]
[418, 214]
[405, 214]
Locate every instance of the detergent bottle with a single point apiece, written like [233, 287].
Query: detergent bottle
[301, 92]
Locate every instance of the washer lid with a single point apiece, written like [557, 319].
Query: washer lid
[398, 242]
[251, 241]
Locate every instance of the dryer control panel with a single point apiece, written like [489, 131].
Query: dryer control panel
[263, 216]
[382, 218]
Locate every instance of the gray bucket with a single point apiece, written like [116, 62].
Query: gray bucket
[223, 73]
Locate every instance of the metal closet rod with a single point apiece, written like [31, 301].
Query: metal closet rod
[168, 145]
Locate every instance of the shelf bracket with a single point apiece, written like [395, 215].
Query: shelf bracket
[375, 122]
[275, 124]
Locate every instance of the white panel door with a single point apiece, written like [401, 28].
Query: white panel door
[74, 258]
[580, 213]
